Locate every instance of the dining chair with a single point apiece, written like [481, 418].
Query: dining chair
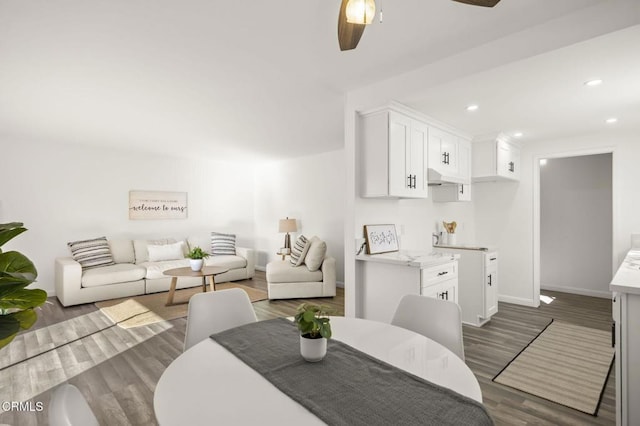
[69, 408]
[217, 311]
[439, 320]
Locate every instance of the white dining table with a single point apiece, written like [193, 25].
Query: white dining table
[209, 385]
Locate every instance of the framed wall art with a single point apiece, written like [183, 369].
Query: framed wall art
[380, 238]
[149, 205]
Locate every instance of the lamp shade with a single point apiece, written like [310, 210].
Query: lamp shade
[287, 225]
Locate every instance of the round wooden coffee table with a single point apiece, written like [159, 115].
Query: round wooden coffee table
[206, 271]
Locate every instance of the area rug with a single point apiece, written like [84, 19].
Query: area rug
[567, 364]
[150, 308]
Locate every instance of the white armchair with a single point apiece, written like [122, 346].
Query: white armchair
[286, 281]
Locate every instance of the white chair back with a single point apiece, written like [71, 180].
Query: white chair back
[217, 311]
[69, 408]
[437, 319]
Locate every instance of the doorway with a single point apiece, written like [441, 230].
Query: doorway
[575, 224]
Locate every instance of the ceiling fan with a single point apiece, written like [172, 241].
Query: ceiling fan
[355, 15]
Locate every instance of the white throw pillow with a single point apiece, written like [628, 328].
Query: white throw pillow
[315, 254]
[162, 252]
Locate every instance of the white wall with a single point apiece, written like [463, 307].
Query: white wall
[309, 189]
[64, 193]
[576, 224]
[505, 212]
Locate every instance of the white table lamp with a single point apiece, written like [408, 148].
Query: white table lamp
[287, 225]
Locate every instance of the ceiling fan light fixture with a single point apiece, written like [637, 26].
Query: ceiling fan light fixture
[361, 11]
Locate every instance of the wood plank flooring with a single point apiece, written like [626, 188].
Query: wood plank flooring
[117, 369]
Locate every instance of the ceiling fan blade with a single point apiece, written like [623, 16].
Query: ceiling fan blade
[485, 3]
[348, 34]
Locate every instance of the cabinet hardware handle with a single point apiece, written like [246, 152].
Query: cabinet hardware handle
[443, 273]
[489, 276]
[409, 181]
[414, 182]
[512, 166]
[462, 189]
[446, 295]
[492, 258]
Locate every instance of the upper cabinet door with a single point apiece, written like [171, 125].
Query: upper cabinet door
[508, 160]
[443, 152]
[393, 154]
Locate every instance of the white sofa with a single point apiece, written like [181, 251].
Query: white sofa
[313, 278]
[133, 273]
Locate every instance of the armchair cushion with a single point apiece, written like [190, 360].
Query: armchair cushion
[299, 250]
[281, 271]
[315, 254]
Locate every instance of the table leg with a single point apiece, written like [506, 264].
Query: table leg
[212, 282]
[172, 290]
[204, 284]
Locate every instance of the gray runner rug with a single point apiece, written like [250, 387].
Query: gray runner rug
[348, 387]
[567, 364]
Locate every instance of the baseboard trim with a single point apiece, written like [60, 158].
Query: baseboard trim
[580, 291]
[518, 301]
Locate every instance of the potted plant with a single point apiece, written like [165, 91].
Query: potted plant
[313, 322]
[196, 258]
[16, 302]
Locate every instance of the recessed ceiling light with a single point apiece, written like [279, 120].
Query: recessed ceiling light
[594, 82]
[611, 120]
[473, 107]
[517, 135]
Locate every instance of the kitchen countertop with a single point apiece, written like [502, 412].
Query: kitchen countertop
[461, 247]
[416, 259]
[627, 278]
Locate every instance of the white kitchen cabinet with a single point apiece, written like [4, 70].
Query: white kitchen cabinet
[393, 149]
[461, 191]
[495, 158]
[477, 284]
[443, 152]
[384, 282]
[626, 314]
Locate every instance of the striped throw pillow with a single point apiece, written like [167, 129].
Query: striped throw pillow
[91, 253]
[223, 244]
[299, 250]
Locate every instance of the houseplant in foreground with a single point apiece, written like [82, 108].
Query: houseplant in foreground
[196, 258]
[313, 322]
[16, 302]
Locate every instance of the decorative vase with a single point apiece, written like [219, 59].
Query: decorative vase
[313, 350]
[196, 264]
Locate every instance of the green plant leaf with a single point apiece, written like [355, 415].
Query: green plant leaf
[23, 299]
[9, 327]
[308, 316]
[16, 264]
[8, 231]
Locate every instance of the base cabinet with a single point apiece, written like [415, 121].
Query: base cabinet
[477, 285]
[384, 284]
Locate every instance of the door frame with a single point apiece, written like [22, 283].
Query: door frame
[536, 209]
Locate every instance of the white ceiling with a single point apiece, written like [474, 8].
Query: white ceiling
[265, 79]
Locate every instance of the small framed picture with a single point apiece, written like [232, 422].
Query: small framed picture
[381, 238]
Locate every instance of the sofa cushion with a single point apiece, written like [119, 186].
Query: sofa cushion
[155, 269]
[231, 262]
[92, 253]
[162, 252]
[315, 254]
[122, 251]
[114, 274]
[299, 250]
[281, 271]
[223, 244]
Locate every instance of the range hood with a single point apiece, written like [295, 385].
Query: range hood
[434, 177]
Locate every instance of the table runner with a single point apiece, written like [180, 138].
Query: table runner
[348, 387]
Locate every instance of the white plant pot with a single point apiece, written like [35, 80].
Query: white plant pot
[196, 264]
[313, 350]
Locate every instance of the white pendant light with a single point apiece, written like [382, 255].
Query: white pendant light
[361, 11]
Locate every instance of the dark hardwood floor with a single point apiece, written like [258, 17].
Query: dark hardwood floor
[117, 369]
